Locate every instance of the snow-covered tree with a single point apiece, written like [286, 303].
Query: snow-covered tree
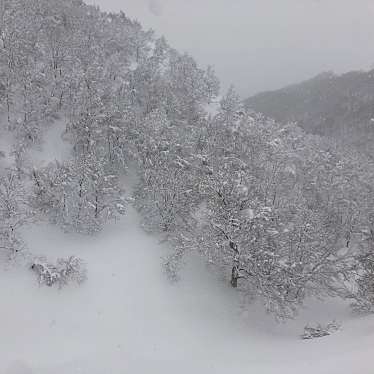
[14, 213]
[80, 195]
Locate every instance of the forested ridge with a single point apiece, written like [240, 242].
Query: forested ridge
[338, 106]
[284, 215]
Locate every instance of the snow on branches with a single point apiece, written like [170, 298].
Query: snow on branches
[65, 271]
[80, 195]
[319, 331]
[270, 220]
[15, 212]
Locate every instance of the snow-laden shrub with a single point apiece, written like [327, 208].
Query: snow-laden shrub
[319, 331]
[67, 270]
[47, 273]
[71, 269]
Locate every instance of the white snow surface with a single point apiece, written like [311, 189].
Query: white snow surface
[127, 317]
[212, 108]
[53, 148]
[6, 141]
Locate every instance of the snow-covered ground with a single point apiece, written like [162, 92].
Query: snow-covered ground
[6, 141]
[127, 318]
[53, 147]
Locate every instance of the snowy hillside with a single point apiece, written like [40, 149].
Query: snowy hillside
[128, 318]
[150, 223]
[339, 106]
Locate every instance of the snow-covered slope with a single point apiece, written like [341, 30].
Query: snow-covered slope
[128, 319]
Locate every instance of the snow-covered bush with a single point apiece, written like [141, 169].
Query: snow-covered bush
[47, 273]
[319, 331]
[65, 271]
[71, 269]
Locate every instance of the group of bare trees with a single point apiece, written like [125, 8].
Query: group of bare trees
[284, 215]
[105, 77]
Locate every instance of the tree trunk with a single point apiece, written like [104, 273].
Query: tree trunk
[234, 277]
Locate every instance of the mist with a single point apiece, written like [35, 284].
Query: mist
[260, 45]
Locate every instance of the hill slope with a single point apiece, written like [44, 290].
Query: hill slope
[340, 106]
[117, 95]
[128, 318]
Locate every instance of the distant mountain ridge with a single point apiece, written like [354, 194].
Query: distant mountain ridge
[339, 106]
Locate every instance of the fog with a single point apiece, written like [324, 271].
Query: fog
[262, 44]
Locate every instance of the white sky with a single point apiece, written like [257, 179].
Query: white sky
[262, 44]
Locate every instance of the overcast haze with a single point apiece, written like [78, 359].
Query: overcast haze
[262, 44]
